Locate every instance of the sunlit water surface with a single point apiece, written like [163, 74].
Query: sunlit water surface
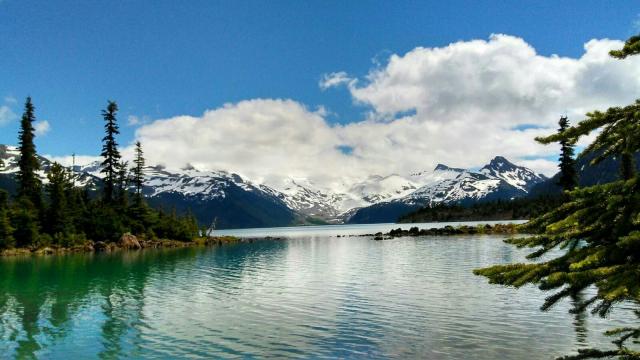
[309, 295]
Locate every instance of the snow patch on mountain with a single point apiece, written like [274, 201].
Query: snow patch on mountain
[11, 154]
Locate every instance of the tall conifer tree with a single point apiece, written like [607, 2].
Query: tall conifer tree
[568, 176]
[58, 217]
[110, 153]
[138, 171]
[29, 185]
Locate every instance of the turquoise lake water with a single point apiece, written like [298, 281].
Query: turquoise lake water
[309, 295]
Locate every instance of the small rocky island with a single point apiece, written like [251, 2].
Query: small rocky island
[448, 230]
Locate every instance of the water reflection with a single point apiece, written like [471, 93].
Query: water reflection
[43, 299]
[579, 318]
[312, 297]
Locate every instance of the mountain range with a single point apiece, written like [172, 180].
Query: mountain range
[231, 201]
[498, 180]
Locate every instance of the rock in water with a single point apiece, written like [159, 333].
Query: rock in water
[129, 241]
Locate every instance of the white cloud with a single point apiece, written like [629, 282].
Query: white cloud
[67, 160]
[334, 79]
[469, 96]
[460, 105]
[259, 138]
[134, 120]
[41, 127]
[6, 115]
[10, 100]
[502, 81]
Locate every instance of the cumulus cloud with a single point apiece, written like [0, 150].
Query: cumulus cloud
[461, 105]
[500, 81]
[41, 127]
[6, 115]
[470, 98]
[260, 139]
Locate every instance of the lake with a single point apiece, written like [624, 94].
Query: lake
[309, 295]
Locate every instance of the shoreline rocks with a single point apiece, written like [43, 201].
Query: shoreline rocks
[127, 242]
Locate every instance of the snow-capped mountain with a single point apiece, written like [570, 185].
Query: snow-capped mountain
[517, 176]
[334, 204]
[378, 188]
[221, 197]
[238, 202]
[306, 198]
[214, 197]
[10, 156]
[500, 179]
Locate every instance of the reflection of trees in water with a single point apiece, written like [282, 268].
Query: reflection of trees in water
[579, 318]
[40, 296]
[122, 294]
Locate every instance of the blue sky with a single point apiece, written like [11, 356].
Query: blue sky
[160, 59]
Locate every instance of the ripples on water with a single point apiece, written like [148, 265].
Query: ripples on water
[315, 296]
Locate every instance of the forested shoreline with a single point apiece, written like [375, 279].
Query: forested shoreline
[56, 215]
[516, 209]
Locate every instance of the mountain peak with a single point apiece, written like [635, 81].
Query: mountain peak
[442, 167]
[500, 162]
[518, 176]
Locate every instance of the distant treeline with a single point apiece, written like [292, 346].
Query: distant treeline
[516, 209]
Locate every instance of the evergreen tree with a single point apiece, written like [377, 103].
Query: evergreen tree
[138, 172]
[122, 184]
[139, 212]
[58, 219]
[6, 230]
[568, 175]
[597, 229]
[24, 220]
[110, 153]
[619, 136]
[78, 201]
[29, 185]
